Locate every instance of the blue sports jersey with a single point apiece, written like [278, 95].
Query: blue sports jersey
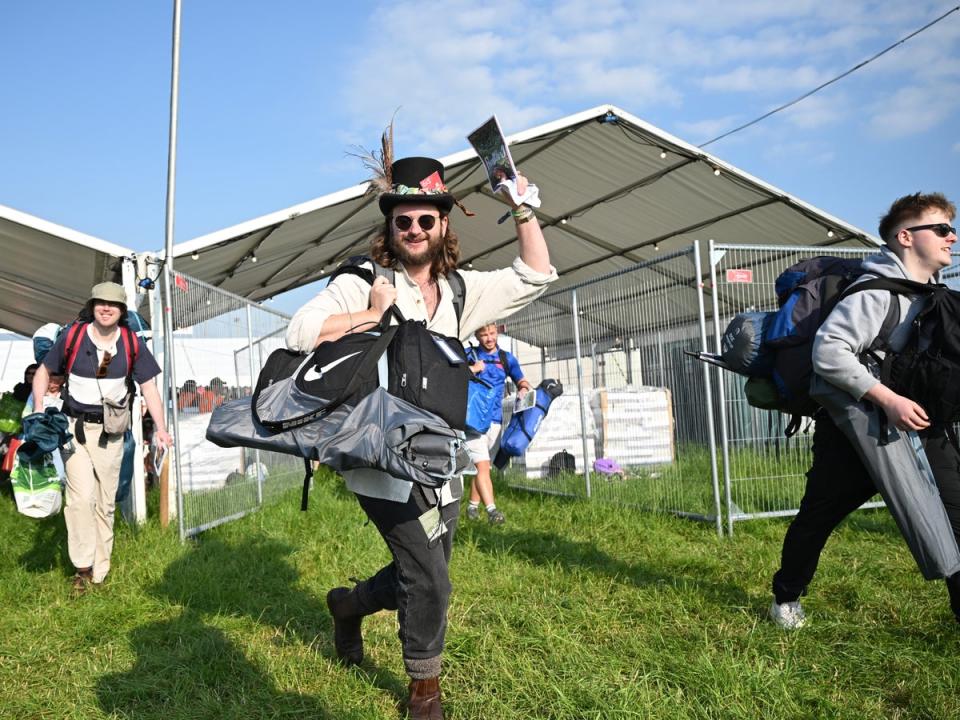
[495, 374]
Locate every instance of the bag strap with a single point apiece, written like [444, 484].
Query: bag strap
[74, 338]
[459, 293]
[307, 478]
[354, 266]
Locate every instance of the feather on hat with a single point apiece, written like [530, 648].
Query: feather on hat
[407, 180]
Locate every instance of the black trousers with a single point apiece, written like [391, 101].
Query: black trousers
[837, 484]
[417, 582]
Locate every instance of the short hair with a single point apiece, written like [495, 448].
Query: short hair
[476, 333]
[913, 206]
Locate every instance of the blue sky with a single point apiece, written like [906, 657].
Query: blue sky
[274, 94]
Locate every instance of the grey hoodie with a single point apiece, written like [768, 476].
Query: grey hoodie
[854, 324]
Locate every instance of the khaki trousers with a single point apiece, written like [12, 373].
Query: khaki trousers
[93, 474]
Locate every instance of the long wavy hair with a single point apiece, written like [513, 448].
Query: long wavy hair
[446, 261]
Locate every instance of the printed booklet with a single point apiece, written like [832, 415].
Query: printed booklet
[527, 401]
[491, 146]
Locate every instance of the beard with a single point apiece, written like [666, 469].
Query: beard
[426, 256]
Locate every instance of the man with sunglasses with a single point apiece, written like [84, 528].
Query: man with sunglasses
[100, 370]
[918, 236]
[418, 243]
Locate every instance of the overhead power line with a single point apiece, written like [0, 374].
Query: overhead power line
[830, 82]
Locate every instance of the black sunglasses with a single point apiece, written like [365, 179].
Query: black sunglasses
[104, 364]
[405, 222]
[939, 229]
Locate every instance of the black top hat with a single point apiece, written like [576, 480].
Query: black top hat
[411, 183]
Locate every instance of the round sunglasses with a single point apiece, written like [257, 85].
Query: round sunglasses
[405, 222]
[939, 229]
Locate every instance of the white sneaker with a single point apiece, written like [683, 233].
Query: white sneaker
[788, 615]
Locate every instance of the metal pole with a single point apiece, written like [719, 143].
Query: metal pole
[721, 389]
[168, 258]
[256, 453]
[583, 413]
[706, 380]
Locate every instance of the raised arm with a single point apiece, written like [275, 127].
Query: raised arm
[533, 246]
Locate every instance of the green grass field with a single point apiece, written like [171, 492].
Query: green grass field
[571, 610]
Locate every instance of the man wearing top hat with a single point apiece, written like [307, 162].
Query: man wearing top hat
[92, 460]
[418, 241]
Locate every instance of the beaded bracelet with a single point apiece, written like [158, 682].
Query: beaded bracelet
[523, 214]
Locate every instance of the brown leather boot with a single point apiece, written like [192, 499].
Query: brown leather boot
[81, 581]
[424, 702]
[344, 605]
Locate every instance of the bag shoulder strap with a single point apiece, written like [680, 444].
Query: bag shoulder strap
[74, 338]
[459, 293]
[132, 346]
[354, 265]
[503, 361]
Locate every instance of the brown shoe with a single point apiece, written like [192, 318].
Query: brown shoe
[344, 606]
[424, 702]
[81, 581]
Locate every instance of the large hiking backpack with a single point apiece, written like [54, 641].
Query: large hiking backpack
[775, 349]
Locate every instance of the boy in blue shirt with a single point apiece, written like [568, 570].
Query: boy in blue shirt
[493, 365]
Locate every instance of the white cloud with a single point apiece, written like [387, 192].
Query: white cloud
[572, 54]
[912, 110]
[750, 79]
[807, 153]
[819, 111]
[702, 130]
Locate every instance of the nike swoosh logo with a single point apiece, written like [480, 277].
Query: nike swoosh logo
[312, 373]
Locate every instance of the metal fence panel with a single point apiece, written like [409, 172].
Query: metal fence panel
[221, 342]
[764, 471]
[631, 395]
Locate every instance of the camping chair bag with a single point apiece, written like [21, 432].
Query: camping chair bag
[900, 471]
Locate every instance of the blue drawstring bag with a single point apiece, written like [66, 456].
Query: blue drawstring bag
[481, 398]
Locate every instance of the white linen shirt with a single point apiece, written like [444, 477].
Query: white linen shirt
[489, 296]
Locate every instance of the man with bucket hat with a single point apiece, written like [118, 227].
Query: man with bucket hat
[417, 242]
[101, 358]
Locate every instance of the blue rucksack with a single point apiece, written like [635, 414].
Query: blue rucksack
[775, 349]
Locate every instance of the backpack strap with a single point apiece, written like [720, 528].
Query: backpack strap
[459, 293]
[132, 345]
[354, 265]
[74, 337]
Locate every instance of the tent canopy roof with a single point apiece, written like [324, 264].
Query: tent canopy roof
[48, 270]
[609, 201]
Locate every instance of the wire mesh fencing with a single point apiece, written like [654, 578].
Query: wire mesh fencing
[633, 411]
[220, 343]
[763, 470]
